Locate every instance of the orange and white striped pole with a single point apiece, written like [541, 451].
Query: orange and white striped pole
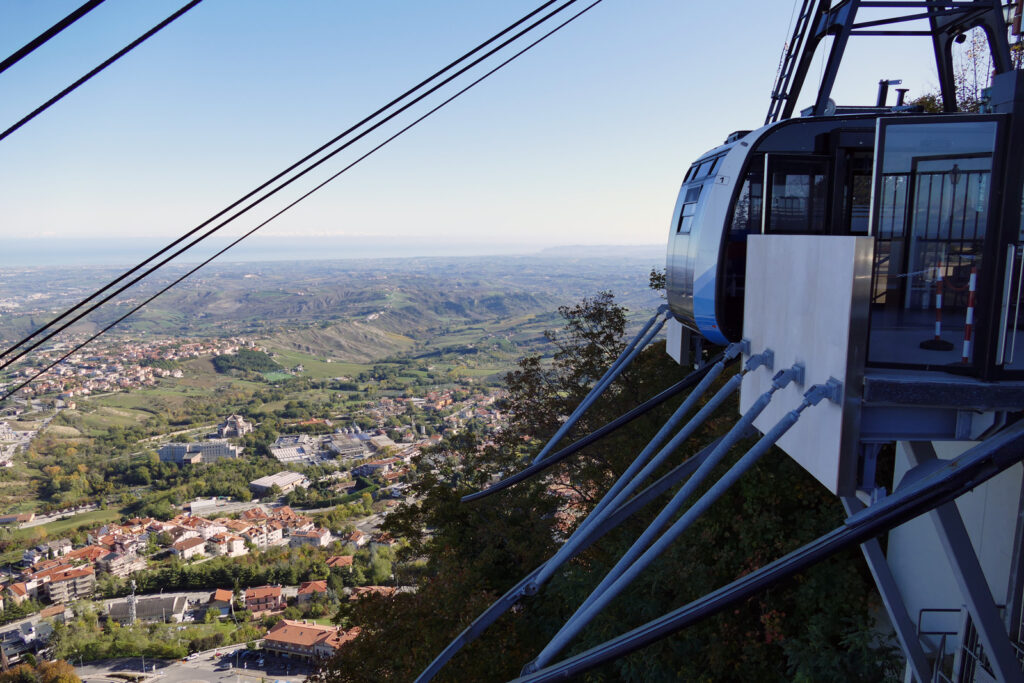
[937, 343]
[969, 322]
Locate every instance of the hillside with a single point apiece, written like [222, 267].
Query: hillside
[355, 310]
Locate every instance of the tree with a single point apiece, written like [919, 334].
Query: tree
[818, 627]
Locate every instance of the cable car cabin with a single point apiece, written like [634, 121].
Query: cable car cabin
[942, 199]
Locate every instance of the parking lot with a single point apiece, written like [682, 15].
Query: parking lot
[207, 667]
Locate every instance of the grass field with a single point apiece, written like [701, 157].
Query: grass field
[317, 368]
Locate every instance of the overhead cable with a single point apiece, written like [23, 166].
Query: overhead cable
[31, 45]
[103, 65]
[81, 304]
[438, 107]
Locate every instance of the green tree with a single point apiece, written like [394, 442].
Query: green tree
[465, 555]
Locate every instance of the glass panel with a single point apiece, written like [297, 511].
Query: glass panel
[689, 209]
[1013, 331]
[746, 220]
[798, 193]
[857, 199]
[932, 211]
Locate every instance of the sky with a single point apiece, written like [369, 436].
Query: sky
[584, 140]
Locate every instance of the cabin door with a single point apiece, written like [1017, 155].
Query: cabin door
[935, 242]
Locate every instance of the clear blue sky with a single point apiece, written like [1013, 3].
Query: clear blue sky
[582, 141]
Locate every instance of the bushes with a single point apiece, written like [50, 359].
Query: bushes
[206, 642]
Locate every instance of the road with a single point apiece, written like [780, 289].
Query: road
[202, 669]
[180, 431]
[53, 517]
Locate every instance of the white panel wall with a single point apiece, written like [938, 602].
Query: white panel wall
[918, 561]
[798, 298]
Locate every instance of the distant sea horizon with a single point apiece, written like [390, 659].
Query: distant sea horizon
[59, 251]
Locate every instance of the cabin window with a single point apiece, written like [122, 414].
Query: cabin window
[797, 195]
[688, 210]
[714, 165]
[746, 215]
[857, 196]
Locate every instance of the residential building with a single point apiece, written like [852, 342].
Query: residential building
[340, 561]
[372, 467]
[192, 453]
[309, 590]
[189, 548]
[233, 427]
[264, 599]
[264, 536]
[368, 591]
[226, 544]
[383, 540]
[255, 514]
[356, 538]
[59, 547]
[285, 481]
[70, 584]
[120, 564]
[21, 591]
[178, 534]
[306, 641]
[220, 600]
[89, 553]
[59, 613]
[315, 537]
[204, 527]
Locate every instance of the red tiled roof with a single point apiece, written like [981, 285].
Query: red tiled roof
[221, 595]
[69, 574]
[312, 587]
[52, 611]
[188, 543]
[89, 553]
[262, 592]
[339, 561]
[301, 634]
[367, 591]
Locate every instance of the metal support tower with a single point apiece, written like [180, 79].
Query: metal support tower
[948, 20]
